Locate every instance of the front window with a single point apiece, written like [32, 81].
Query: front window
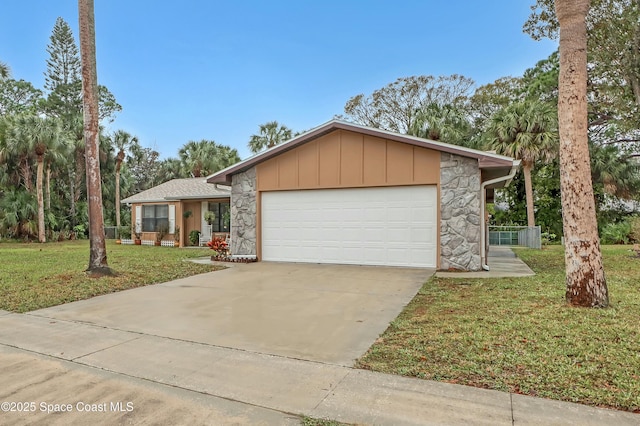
[221, 222]
[154, 216]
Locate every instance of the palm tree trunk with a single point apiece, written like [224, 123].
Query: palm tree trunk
[528, 189]
[25, 172]
[48, 187]
[97, 246]
[72, 198]
[80, 170]
[585, 279]
[118, 194]
[39, 176]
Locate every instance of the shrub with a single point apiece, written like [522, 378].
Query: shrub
[548, 237]
[194, 237]
[218, 244]
[162, 231]
[616, 233]
[124, 232]
[634, 235]
[80, 231]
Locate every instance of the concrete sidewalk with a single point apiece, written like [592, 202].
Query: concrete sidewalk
[502, 262]
[173, 381]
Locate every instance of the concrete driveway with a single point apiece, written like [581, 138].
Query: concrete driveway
[326, 313]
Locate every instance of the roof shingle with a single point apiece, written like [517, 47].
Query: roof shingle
[180, 189]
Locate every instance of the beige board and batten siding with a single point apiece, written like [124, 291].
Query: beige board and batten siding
[345, 159]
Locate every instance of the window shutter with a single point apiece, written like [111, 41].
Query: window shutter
[203, 224]
[138, 218]
[172, 218]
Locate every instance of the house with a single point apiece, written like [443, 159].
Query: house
[180, 203]
[350, 194]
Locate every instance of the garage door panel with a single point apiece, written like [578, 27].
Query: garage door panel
[370, 226]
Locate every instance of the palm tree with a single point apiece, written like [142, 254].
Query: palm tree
[226, 156]
[37, 135]
[17, 213]
[6, 152]
[525, 130]
[4, 71]
[445, 123]
[271, 134]
[205, 157]
[75, 168]
[15, 151]
[97, 246]
[586, 283]
[196, 156]
[55, 160]
[122, 140]
[614, 171]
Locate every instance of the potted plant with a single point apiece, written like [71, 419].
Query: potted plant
[124, 233]
[209, 217]
[194, 237]
[138, 240]
[187, 214]
[176, 237]
[161, 232]
[226, 220]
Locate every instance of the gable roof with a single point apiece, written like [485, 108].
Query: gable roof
[180, 189]
[486, 160]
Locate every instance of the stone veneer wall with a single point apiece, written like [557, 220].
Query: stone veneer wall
[460, 218]
[243, 213]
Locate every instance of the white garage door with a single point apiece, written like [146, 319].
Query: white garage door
[394, 226]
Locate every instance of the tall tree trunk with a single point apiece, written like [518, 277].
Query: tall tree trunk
[39, 177]
[528, 189]
[48, 205]
[97, 246]
[72, 199]
[25, 172]
[78, 174]
[586, 284]
[118, 163]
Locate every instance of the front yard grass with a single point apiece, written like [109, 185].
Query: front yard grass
[34, 276]
[518, 335]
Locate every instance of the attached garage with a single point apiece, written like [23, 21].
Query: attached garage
[350, 194]
[392, 226]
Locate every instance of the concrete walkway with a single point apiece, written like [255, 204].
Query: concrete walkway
[502, 262]
[70, 367]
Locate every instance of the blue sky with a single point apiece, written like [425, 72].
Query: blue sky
[194, 70]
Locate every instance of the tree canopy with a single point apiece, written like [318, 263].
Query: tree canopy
[395, 107]
[613, 48]
[38, 178]
[271, 134]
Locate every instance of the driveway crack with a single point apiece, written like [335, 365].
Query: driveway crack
[104, 349]
[513, 420]
[332, 389]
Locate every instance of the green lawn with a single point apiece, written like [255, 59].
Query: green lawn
[34, 276]
[518, 335]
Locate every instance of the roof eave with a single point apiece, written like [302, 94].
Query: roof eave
[198, 197]
[153, 200]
